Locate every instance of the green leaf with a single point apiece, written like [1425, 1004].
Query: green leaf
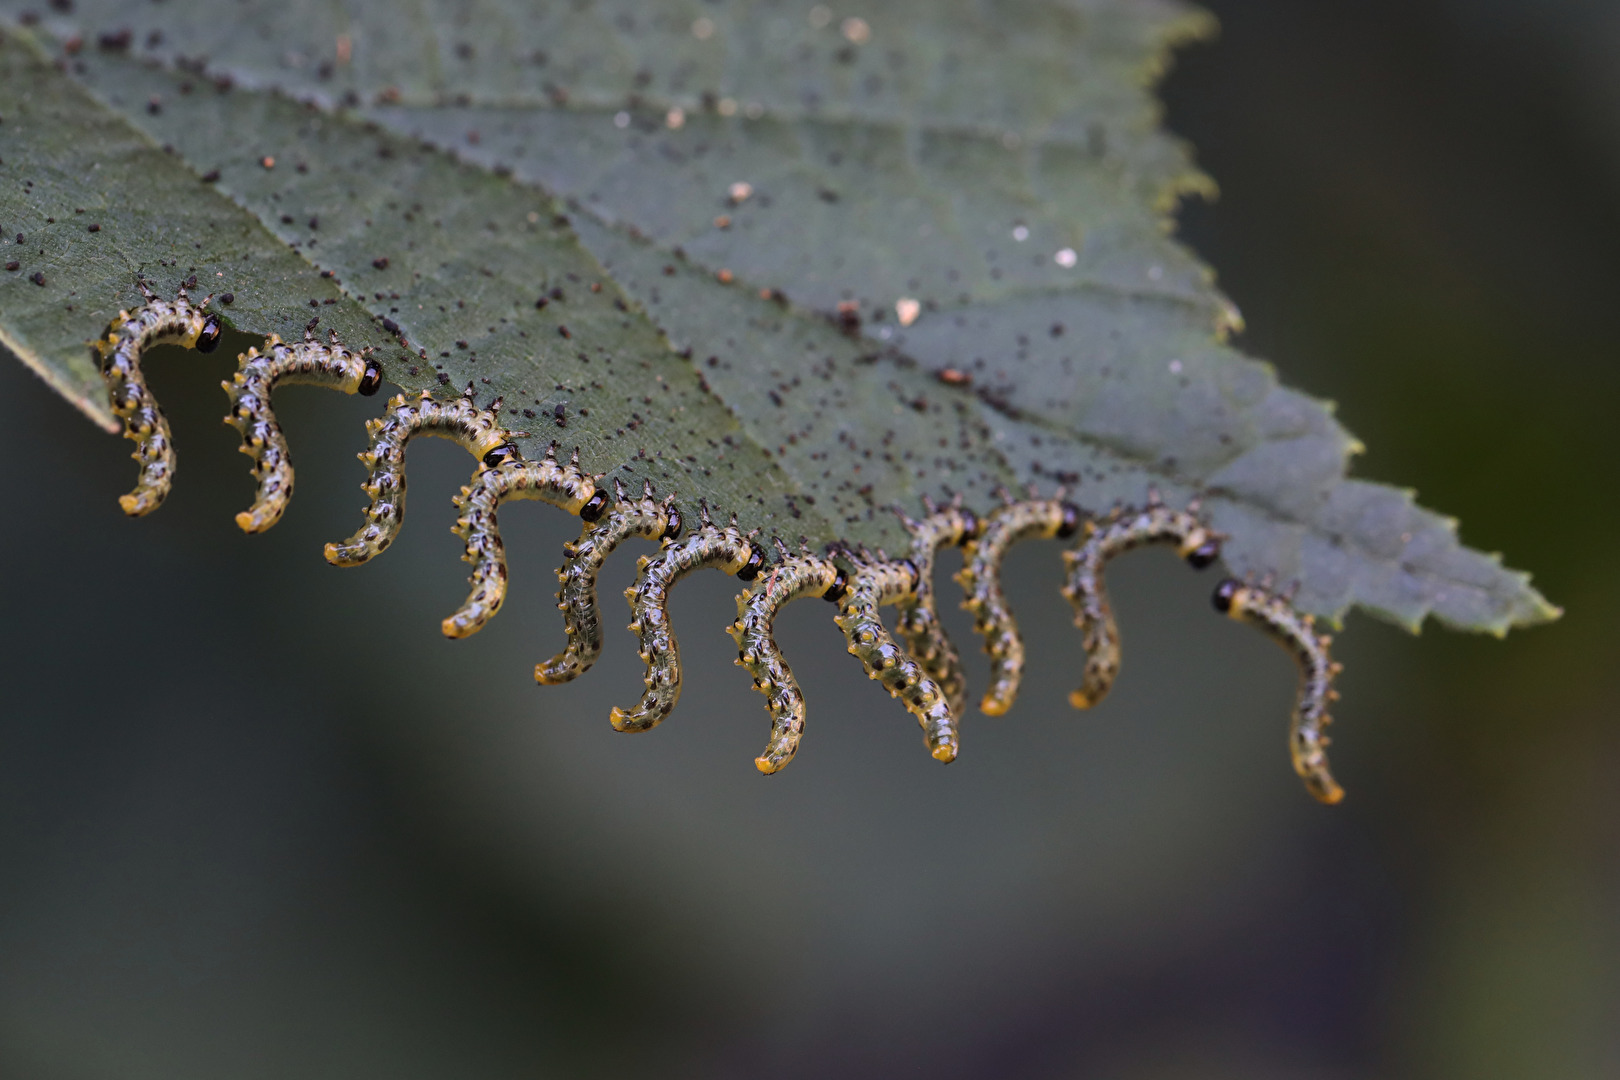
[808, 269]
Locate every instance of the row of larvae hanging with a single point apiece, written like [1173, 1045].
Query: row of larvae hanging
[922, 668]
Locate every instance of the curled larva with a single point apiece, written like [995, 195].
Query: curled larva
[607, 525]
[547, 481]
[795, 576]
[119, 350]
[871, 584]
[1122, 530]
[251, 413]
[918, 624]
[724, 549]
[1307, 738]
[478, 430]
[1035, 519]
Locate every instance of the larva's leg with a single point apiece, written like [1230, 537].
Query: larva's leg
[251, 413]
[1086, 589]
[1307, 738]
[120, 350]
[546, 481]
[1038, 519]
[793, 577]
[478, 430]
[576, 599]
[871, 585]
[724, 549]
[918, 624]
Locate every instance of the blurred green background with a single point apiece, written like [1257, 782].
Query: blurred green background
[259, 819]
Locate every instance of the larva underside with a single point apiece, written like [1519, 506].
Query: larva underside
[918, 623]
[1126, 528]
[561, 485]
[309, 361]
[980, 578]
[1277, 618]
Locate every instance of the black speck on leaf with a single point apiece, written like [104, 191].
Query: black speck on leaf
[211, 176]
[227, 298]
[380, 263]
[37, 277]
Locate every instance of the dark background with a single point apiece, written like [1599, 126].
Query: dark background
[259, 819]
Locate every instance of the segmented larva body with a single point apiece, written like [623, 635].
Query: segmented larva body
[871, 585]
[1296, 632]
[724, 549]
[309, 361]
[477, 430]
[980, 578]
[1126, 528]
[918, 624]
[547, 481]
[120, 350]
[576, 599]
[793, 577]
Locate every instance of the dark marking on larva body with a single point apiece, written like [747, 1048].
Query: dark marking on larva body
[576, 598]
[548, 481]
[793, 577]
[258, 373]
[477, 430]
[1296, 632]
[119, 351]
[918, 624]
[871, 584]
[1123, 530]
[724, 549]
[980, 578]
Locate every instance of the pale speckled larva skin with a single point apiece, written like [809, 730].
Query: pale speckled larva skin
[918, 624]
[1296, 632]
[477, 430]
[724, 549]
[576, 599]
[119, 350]
[1125, 529]
[548, 481]
[794, 577]
[980, 578]
[871, 585]
[310, 362]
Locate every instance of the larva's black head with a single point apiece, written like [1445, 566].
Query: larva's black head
[501, 455]
[1225, 593]
[971, 525]
[1072, 517]
[208, 340]
[835, 592]
[911, 568]
[756, 562]
[594, 506]
[672, 524]
[371, 381]
[1204, 554]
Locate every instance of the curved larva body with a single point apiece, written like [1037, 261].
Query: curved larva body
[871, 585]
[120, 349]
[1307, 740]
[724, 549]
[478, 430]
[576, 599]
[546, 481]
[1039, 519]
[799, 575]
[918, 624]
[1087, 590]
[251, 412]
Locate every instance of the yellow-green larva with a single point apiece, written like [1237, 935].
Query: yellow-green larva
[871, 584]
[795, 576]
[1296, 632]
[477, 430]
[607, 525]
[918, 623]
[1086, 589]
[724, 549]
[258, 373]
[546, 480]
[1035, 519]
[119, 350]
